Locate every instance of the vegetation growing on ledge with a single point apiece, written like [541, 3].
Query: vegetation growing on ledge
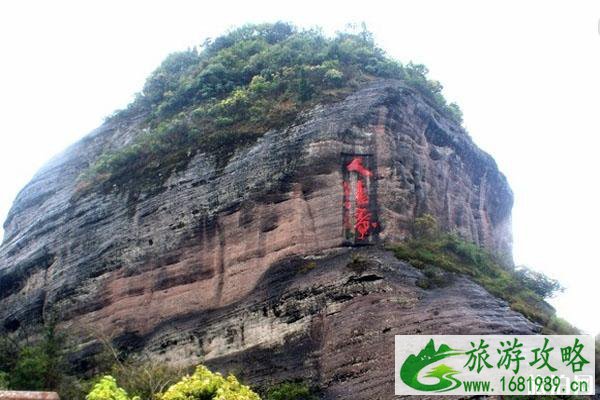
[524, 289]
[238, 86]
[290, 391]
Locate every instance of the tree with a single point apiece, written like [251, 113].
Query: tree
[39, 366]
[538, 282]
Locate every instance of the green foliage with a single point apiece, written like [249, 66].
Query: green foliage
[538, 282]
[308, 266]
[237, 87]
[4, 380]
[41, 366]
[26, 364]
[290, 391]
[522, 288]
[558, 326]
[433, 277]
[107, 389]
[9, 353]
[30, 370]
[456, 112]
[425, 226]
[206, 385]
[35, 367]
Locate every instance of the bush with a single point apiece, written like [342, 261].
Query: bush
[107, 389]
[290, 391]
[523, 289]
[308, 266]
[31, 369]
[558, 326]
[334, 78]
[425, 227]
[205, 385]
[538, 282]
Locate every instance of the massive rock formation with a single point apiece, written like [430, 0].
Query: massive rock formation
[245, 267]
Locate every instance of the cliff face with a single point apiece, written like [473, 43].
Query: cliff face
[245, 267]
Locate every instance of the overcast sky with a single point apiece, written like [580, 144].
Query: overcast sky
[526, 75]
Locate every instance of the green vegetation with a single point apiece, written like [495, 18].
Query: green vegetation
[37, 366]
[116, 376]
[290, 391]
[107, 389]
[434, 277]
[524, 289]
[425, 227]
[201, 385]
[205, 385]
[308, 266]
[4, 380]
[142, 376]
[557, 325]
[232, 90]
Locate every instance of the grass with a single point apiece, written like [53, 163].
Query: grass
[524, 290]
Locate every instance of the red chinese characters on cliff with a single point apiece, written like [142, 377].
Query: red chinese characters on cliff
[357, 203]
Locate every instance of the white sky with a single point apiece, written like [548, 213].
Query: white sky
[526, 75]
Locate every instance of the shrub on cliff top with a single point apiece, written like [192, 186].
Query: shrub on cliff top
[235, 88]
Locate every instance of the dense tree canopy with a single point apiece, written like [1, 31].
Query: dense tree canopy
[236, 87]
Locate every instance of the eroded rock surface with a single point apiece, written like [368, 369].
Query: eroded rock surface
[322, 320]
[207, 267]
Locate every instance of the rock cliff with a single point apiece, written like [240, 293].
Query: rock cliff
[245, 267]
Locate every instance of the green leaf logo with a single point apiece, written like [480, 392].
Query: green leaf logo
[409, 372]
